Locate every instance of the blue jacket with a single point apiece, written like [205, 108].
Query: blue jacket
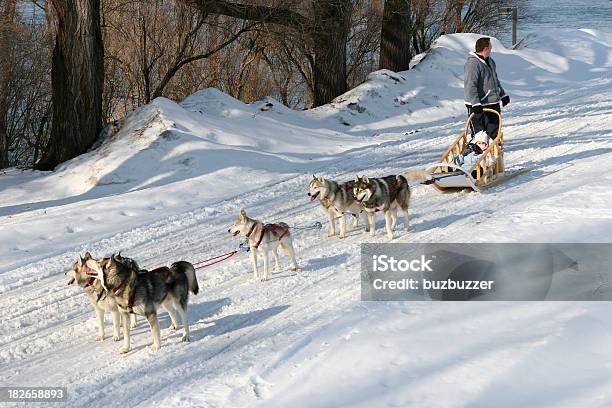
[469, 161]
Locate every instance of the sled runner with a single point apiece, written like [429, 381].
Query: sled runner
[486, 172]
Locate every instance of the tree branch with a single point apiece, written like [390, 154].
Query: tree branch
[262, 14]
[173, 70]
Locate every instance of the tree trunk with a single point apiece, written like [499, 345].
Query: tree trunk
[251, 94]
[458, 19]
[7, 28]
[396, 35]
[331, 20]
[77, 77]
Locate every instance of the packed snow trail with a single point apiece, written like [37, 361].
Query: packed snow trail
[305, 338]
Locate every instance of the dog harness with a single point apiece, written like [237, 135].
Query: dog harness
[163, 269]
[348, 186]
[272, 228]
[164, 279]
[393, 183]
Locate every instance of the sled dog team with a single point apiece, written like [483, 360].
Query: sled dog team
[116, 284]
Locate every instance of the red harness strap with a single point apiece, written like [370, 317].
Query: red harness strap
[214, 260]
[271, 227]
[115, 290]
[131, 301]
[283, 234]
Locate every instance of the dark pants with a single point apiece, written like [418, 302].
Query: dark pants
[487, 121]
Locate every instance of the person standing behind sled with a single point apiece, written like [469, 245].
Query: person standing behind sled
[482, 89]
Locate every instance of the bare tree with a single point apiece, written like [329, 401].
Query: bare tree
[293, 56]
[478, 16]
[325, 26]
[7, 33]
[410, 26]
[161, 48]
[363, 45]
[77, 81]
[24, 82]
[29, 97]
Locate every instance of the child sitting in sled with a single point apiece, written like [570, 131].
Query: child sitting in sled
[473, 151]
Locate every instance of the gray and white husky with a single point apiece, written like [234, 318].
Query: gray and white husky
[337, 199]
[81, 276]
[385, 194]
[262, 239]
[142, 292]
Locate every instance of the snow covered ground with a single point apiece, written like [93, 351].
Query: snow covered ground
[169, 183]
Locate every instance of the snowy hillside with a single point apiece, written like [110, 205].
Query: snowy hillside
[170, 182]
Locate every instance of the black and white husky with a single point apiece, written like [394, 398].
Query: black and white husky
[142, 292]
[337, 199]
[385, 194]
[262, 239]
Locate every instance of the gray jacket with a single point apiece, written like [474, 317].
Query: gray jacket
[481, 86]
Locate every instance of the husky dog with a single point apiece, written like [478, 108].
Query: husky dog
[337, 199]
[263, 239]
[143, 292]
[97, 296]
[383, 194]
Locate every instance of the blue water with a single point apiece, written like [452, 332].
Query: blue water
[534, 15]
